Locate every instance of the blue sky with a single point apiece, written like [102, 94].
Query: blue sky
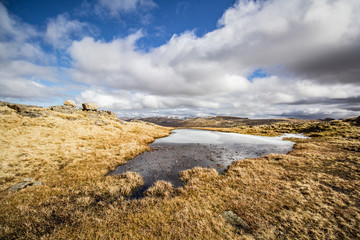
[184, 58]
[159, 21]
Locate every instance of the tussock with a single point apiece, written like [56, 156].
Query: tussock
[160, 189]
[198, 173]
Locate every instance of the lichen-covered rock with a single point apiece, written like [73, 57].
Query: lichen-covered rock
[89, 106]
[19, 186]
[234, 219]
[70, 103]
[25, 183]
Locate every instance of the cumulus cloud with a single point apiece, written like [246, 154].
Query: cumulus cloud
[126, 100]
[61, 31]
[289, 34]
[21, 79]
[300, 44]
[13, 38]
[23, 65]
[12, 29]
[118, 65]
[309, 50]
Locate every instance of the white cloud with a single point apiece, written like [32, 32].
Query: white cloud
[127, 100]
[12, 29]
[22, 79]
[309, 48]
[278, 36]
[61, 31]
[23, 64]
[120, 66]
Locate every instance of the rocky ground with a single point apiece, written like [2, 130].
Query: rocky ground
[35, 111]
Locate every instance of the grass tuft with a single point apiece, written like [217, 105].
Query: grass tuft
[161, 189]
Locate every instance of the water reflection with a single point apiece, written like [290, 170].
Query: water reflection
[188, 148]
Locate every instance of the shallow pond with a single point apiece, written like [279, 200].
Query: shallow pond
[188, 148]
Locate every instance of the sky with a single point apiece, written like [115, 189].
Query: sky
[143, 58]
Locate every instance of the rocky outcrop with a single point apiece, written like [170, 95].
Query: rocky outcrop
[23, 110]
[70, 103]
[89, 106]
[68, 108]
[17, 105]
[64, 109]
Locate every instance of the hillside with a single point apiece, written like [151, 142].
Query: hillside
[218, 121]
[64, 154]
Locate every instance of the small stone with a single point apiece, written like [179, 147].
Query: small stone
[23, 155]
[19, 186]
[234, 219]
[28, 179]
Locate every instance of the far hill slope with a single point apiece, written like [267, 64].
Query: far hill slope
[218, 122]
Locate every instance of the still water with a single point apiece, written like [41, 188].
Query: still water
[188, 148]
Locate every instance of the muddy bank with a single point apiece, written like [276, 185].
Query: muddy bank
[188, 148]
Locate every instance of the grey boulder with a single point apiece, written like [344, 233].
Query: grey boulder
[89, 106]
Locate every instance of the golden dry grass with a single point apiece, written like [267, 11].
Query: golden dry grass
[311, 193]
[51, 148]
[160, 189]
[275, 129]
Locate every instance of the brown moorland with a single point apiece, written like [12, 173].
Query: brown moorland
[216, 122]
[311, 193]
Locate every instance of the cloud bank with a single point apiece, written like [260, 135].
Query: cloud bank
[309, 50]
